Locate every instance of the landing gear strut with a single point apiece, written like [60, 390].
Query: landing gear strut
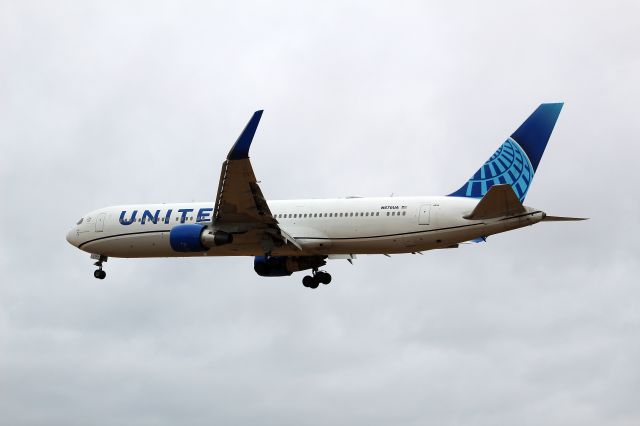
[317, 278]
[99, 273]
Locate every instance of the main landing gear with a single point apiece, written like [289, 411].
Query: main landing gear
[317, 278]
[99, 273]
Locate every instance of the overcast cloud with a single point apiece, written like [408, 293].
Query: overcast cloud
[118, 102]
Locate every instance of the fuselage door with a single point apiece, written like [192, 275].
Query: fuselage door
[425, 214]
[100, 222]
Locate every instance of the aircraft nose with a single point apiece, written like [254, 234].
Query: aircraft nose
[72, 237]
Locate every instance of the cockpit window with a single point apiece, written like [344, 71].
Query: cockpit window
[80, 221]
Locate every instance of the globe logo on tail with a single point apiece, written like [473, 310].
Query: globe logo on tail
[509, 164]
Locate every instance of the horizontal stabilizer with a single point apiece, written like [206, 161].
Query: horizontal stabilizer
[499, 201]
[562, 219]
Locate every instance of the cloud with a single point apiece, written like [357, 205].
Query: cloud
[116, 103]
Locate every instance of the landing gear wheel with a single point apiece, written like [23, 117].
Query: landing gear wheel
[311, 282]
[307, 281]
[323, 277]
[99, 273]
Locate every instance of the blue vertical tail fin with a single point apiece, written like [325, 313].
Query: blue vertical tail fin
[517, 160]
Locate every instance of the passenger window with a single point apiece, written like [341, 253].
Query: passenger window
[388, 213]
[404, 213]
[377, 213]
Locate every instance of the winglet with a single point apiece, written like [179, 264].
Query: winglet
[240, 149]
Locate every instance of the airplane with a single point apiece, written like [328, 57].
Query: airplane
[287, 236]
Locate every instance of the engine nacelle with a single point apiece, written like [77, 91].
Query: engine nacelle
[217, 238]
[194, 237]
[282, 266]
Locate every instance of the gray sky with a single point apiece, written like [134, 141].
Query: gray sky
[106, 103]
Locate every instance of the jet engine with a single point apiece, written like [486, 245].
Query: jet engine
[196, 237]
[281, 266]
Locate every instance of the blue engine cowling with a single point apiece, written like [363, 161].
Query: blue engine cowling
[187, 238]
[193, 237]
[282, 266]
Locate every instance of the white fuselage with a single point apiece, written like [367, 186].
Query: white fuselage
[321, 227]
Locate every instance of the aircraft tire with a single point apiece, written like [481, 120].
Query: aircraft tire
[323, 277]
[307, 281]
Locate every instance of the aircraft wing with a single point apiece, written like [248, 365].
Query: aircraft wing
[240, 205]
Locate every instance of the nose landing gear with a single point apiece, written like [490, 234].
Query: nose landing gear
[317, 278]
[99, 273]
